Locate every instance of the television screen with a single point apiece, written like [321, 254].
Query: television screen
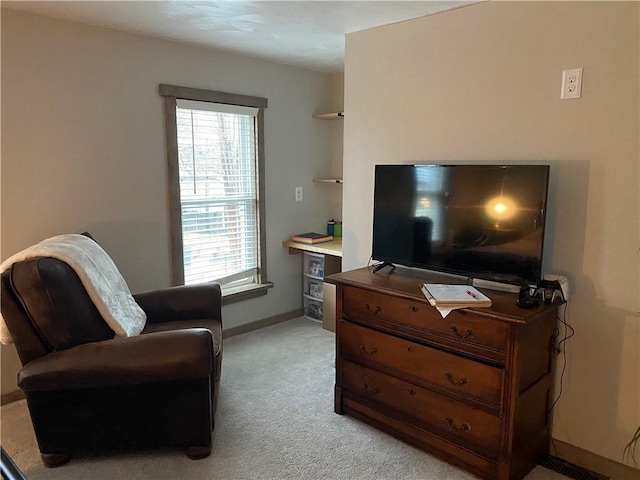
[477, 221]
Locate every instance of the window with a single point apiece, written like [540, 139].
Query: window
[431, 187]
[215, 153]
[218, 192]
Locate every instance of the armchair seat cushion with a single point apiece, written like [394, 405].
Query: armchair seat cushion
[158, 357]
[214, 326]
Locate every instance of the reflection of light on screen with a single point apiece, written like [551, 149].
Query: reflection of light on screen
[501, 208]
[425, 202]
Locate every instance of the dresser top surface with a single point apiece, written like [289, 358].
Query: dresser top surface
[406, 283]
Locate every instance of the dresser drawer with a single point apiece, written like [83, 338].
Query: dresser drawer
[460, 325]
[439, 414]
[422, 363]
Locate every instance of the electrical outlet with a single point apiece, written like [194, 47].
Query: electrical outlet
[298, 194]
[571, 83]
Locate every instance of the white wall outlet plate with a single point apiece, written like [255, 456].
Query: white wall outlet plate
[571, 83]
[298, 194]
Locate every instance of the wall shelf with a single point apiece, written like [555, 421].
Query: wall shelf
[328, 180]
[328, 116]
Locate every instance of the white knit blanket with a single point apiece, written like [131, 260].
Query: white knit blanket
[99, 275]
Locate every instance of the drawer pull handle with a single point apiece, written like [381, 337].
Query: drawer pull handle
[411, 391]
[467, 334]
[368, 308]
[464, 427]
[458, 383]
[413, 308]
[409, 349]
[368, 389]
[368, 352]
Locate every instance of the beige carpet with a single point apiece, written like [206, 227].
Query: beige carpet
[275, 421]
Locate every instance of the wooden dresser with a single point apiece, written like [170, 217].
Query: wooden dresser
[473, 388]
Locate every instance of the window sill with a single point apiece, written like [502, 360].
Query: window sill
[244, 292]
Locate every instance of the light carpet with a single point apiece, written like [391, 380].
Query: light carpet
[275, 420]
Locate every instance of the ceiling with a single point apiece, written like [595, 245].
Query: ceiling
[307, 34]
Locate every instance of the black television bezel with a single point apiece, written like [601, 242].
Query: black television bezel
[516, 280]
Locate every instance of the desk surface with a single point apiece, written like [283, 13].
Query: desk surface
[334, 247]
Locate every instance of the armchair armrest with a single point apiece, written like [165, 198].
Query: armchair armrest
[185, 302]
[150, 358]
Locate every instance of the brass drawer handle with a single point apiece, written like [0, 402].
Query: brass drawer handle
[458, 383]
[413, 308]
[368, 352]
[464, 427]
[368, 389]
[368, 308]
[467, 334]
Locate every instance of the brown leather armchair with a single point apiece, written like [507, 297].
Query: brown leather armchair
[89, 392]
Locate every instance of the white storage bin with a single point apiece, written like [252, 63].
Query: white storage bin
[315, 267]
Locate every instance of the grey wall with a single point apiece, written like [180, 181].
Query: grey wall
[83, 148]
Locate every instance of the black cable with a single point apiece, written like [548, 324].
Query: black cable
[569, 332]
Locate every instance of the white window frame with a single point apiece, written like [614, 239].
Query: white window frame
[172, 94]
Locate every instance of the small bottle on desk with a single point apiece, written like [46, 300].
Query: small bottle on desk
[331, 226]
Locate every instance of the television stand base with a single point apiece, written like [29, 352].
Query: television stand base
[384, 264]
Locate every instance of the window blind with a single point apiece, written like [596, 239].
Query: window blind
[218, 191]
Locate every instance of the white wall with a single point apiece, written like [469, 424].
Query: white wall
[482, 83]
[84, 149]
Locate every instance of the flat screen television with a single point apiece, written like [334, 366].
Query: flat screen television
[475, 221]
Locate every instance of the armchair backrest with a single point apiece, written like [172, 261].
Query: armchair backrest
[46, 308]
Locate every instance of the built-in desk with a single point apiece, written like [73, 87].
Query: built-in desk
[333, 248]
[318, 261]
